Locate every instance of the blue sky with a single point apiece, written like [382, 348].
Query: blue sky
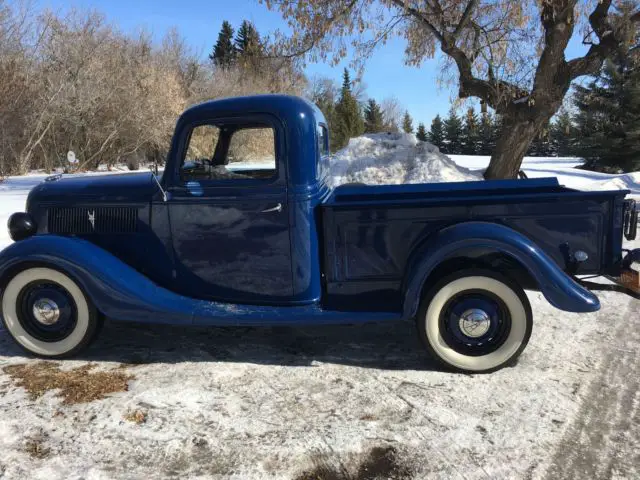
[199, 22]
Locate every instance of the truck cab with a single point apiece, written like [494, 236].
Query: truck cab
[245, 228]
[243, 179]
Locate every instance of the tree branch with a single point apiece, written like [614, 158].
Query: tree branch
[591, 62]
[466, 16]
[557, 21]
[494, 92]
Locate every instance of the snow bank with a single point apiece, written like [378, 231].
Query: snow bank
[564, 169]
[394, 158]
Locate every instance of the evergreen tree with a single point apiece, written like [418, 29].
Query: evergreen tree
[471, 133]
[325, 97]
[407, 122]
[563, 134]
[349, 122]
[436, 133]
[224, 53]
[453, 133]
[608, 119]
[421, 134]
[487, 135]
[373, 118]
[496, 129]
[247, 42]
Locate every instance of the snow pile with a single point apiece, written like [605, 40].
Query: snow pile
[625, 181]
[564, 169]
[394, 158]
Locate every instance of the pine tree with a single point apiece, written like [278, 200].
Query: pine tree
[373, 118]
[224, 53]
[496, 129]
[608, 119]
[421, 134]
[487, 135]
[324, 96]
[247, 42]
[349, 121]
[453, 133]
[407, 123]
[471, 133]
[436, 133]
[563, 134]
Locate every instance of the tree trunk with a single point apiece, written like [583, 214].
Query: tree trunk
[515, 138]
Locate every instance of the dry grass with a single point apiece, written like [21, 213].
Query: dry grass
[36, 449]
[80, 385]
[136, 416]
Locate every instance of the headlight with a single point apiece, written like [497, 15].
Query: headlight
[21, 225]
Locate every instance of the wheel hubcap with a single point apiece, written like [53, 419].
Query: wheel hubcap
[474, 322]
[46, 311]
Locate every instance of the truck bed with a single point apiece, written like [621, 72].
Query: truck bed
[374, 229]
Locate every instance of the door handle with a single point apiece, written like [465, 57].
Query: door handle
[277, 208]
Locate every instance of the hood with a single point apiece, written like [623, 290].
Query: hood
[125, 188]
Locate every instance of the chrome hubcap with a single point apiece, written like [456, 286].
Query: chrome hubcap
[474, 322]
[46, 311]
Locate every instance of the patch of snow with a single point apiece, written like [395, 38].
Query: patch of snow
[564, 169]
[394, 158]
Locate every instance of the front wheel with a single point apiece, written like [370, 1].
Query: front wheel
[47, 313]
[475, 321]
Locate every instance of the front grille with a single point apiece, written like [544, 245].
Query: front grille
[90, 220]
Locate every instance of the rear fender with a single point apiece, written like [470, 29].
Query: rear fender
[463, 239]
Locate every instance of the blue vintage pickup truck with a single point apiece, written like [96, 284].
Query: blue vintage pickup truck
[244, 228]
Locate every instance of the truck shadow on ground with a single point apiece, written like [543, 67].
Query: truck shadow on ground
[391, 346]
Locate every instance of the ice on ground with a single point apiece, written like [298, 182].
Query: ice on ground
[394, 158]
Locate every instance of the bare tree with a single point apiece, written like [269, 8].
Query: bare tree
[509, 54]
[75, 82]
[392, 112]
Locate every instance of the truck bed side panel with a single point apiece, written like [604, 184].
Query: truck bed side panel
[369, 242]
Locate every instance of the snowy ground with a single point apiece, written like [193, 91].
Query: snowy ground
[277, 402]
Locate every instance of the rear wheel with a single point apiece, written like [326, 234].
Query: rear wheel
[47, 313]
[475, 321]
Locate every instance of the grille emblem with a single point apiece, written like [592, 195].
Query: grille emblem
[92, 218]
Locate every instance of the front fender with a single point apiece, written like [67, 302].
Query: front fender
[122, 293]
[454, 241]
[115, 288]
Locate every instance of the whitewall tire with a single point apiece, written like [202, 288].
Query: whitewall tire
[475, 321]
[47, 313]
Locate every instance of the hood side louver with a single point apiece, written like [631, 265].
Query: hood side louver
[90, 220]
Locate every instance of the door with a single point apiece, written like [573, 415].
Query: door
[229, 214]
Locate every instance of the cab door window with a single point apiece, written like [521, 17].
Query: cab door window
[230, 152]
